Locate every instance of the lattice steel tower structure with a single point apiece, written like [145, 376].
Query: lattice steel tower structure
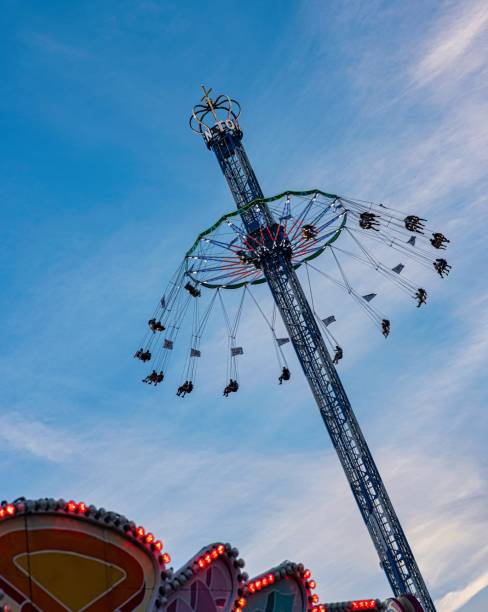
[217, 121]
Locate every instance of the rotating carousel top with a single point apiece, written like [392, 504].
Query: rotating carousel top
[226, 255]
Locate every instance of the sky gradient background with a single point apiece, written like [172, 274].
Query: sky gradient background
[103, 188]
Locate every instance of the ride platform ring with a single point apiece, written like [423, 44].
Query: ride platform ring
[227, 256]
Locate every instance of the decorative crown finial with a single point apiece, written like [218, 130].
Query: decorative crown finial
[224, 110]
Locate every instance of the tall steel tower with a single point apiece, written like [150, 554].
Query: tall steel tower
[217, 121]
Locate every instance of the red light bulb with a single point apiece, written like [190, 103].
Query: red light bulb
[166, 558]
[82, 508]
[315, 598]
[158, 545]
[271, 578]
[312, 584]
[149, 538]
[71, 506]
[364, 604]
[221, 549]
[10, 509]
[307, 574]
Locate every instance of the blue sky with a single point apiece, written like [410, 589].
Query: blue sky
[104, 187]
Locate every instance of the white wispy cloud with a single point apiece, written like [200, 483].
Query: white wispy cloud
[36, 438]
[456, 599]
[452, 45]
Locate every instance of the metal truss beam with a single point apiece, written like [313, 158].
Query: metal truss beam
[396, 557]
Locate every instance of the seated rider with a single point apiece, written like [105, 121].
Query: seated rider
[142, 355]
[368, 220]
[438, 240]
[193, 291]
[285, 375]
[442, 267]
[151, 378]
[159, 378]
[155, 325]
[309, 232]
[244, 257]
[231, 387]
[183, 389]
[338, 355]
[414, 224]
[186, 387]
[421, 296]
[385, 327]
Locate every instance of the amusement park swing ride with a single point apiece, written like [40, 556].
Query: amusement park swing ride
[267, 240]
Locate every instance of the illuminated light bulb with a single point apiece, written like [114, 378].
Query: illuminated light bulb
[2, 513]
[215, 554]
[258, 584]
[252, 587]
[71, 506]
[10, 509]
[312, 584]
[271, 578]
[265, 582]
[238, 610]
[140, 531]
[241, 602]
[149, 538]
[364, 604]
[315, 598]
[158, 545]
[82, 507]
[307, 574]
[201, 563]
[166, 558]
[208, 559]
[221, 549]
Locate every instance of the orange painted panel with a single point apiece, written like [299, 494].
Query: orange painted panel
[54, 563]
